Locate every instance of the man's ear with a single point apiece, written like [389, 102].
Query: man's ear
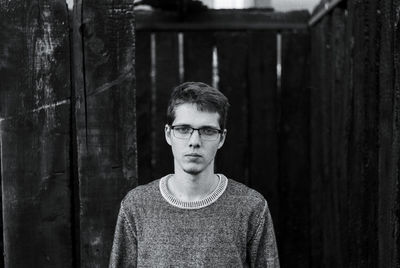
[167, 131]
[222, 138]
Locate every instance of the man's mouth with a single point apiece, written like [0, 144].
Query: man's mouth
[193, 155]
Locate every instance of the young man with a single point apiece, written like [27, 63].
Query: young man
[194, 217]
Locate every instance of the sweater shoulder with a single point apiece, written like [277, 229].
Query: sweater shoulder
[245, 196]
[240, 190]
[141, 194]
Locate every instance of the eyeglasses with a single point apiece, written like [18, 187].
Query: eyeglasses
[206, 133]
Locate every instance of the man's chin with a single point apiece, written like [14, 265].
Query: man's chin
[192, 170]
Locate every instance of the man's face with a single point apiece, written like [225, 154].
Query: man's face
[194, 155]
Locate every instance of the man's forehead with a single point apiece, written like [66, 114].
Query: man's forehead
[189, 114]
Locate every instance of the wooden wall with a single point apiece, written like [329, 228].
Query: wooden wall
[355, 134]
[267, 145]
[67, 115]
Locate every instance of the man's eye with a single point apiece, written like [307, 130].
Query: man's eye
[208, 131]
[183, 130]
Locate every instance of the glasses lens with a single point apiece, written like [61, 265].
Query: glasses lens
[182, 132]
[209, 134]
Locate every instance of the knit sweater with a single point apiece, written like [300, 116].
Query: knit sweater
[232, 227]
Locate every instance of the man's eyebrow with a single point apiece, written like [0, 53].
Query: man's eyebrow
[204, 126]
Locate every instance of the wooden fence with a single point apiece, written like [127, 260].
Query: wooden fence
[355, 132]
[68, 148]
[319, 136]
[267, 145]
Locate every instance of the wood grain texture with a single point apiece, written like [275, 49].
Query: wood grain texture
[35, 134]
[232, 48]
[294, 150]
[105, 120]
[363, 180]
[340, 123]
[388, 135]
[318, 63]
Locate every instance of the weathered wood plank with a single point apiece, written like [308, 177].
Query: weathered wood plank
[35, 112]
[341, 109]
[363, 180]
[232, 49]
[389, 135]
[294, 150]
[167, 77]
[105, 120]
[222, 20]
[263, 118]
[35, 129]
[318, 65]
[144, 85]
[36, 193]
[31, 35]
[198, 56]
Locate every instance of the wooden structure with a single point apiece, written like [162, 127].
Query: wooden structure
[355, 133]
[314, 124]
[68, 148]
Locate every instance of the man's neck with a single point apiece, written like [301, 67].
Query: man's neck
[188, 187]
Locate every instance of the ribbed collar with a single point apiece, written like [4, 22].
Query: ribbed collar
[208, 200]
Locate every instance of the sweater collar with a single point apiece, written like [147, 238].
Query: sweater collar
[208, 200]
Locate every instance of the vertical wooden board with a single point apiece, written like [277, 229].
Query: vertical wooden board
[198, 56]
[294, 150]
[34, 133]
[1, 206]
[263, 117]
[363, 181]
[332, 101]
[395, 221]
[388, 136]
[143, 70]
[105, 121]
[33, 34]
[36, 193]
[331, 256]
[341, 111]
[167, 77]
[232, 49]
[318, 63]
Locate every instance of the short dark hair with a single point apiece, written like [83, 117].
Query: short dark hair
[205, 97]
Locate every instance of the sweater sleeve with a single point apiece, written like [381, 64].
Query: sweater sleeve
[262, 248]
[124, 248]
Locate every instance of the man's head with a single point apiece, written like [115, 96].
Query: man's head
[205, 97]
[196, 126]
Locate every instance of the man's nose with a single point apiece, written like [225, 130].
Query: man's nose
[195, 139]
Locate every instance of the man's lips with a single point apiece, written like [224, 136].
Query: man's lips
[193, 155]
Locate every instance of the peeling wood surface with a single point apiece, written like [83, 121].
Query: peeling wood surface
[35, 134]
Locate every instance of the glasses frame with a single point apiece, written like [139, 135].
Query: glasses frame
[198, 131]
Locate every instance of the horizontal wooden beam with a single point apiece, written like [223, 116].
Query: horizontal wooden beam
[223, 20]
[327, 7]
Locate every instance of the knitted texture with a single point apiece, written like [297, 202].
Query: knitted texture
[208, 200]
[235, 230]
